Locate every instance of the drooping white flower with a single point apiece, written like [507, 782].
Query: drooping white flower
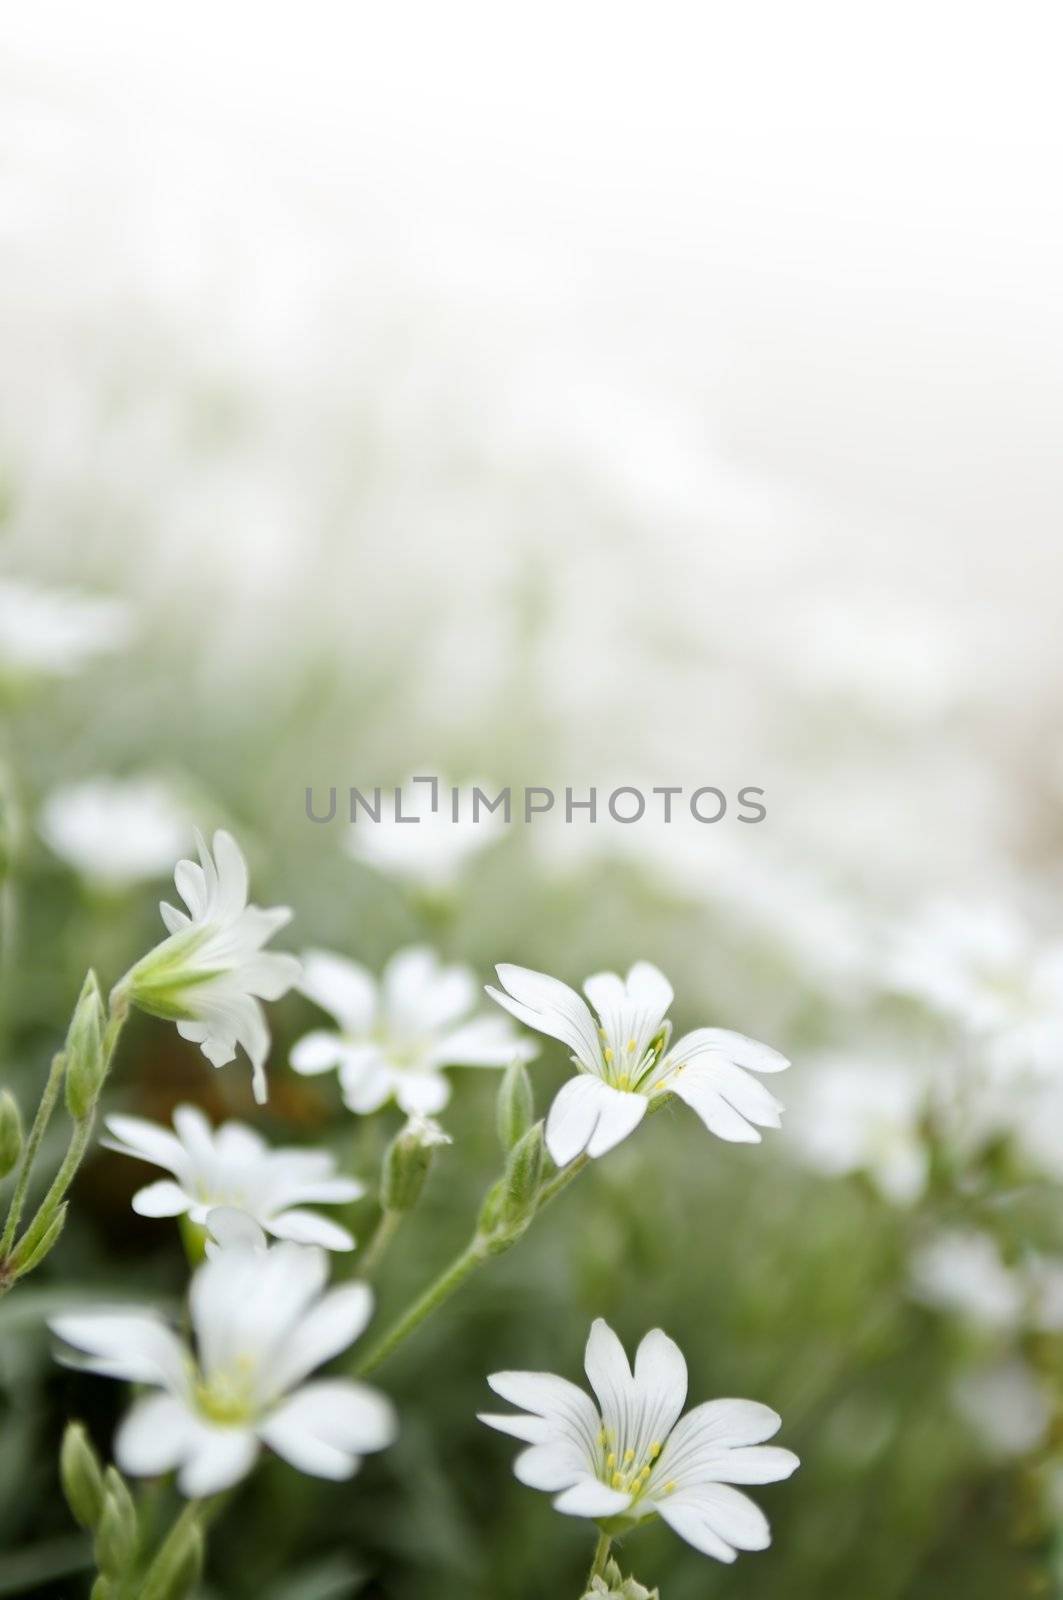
[232, 1166]
[261, 1324]
[115, 833]
[429, 848]
[396, 1036]
[624, 1060]
[982, 967]
[53, 633]
[213, 970]
[863, 1116]
[632, 1456]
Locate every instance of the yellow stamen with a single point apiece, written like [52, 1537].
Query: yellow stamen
[655, 1450]
[632, 1044]
[629, 1455]
[610, 1461]
[617, 1481]
[608, 1053]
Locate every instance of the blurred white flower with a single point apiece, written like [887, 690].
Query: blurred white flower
[962, 1272]
[55, 632]
[396, 1036]
[115, 832]
[631, 1457]
[863, 1116]
[1006, 1404]
[261, 1324]
[210, 974]
[433, 850]
[624, 1060]
[233, 1167]
[981, 966]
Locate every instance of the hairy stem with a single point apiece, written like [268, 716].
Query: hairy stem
[379, 1242]
[29, 1154]
[476, 1252]
[601, 1556]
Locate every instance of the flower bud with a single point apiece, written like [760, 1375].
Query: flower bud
[515, 1106]
[84, 1051]
[612, 1585]
[38, 1241]
[407, 1161]
[81, 1476]
[116, 1534]
[102, 1589]
[10, 1132]
[523, 1171]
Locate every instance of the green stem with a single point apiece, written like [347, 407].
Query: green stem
[379, 1242]
[450, 1280]
[29, 1154]
[197, 1513]
[438, 1292]
[75, 1154]
[601, 1556]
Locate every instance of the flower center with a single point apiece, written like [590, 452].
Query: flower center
[624, 1471]
[226, 1398]
[625, 1068]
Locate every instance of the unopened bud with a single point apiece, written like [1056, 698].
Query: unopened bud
[39, 1240]
[612, 1585]
[81, 1476]
[523, 1172]
[84, 1051]
[10, 1132]
[116, 1534]
[407, 1161]
[515, 1106]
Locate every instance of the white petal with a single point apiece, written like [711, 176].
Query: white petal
[421, 1093]
[564, 1406]
[551, 1466]
[346, 990]
[420, 996]
[722, 1511]
[590, 1498]
[551, 1007]
[739, 1088]
[125, 1344]
[317, 1052]
[690, 1524]
[735, 1046]
[573, 1116]
[660, 1390]
[619, 1114]
[484, 1042]
[307, 1227]
[533, 1430]
[154, 1437]
[701, 1440]
[326, 1427]
[755, 1463]
[233, 1230]
[220, 1457]
[606, 1366]
[162, 1199]
[720, 1118]
[331, 1326]
[136, 1136]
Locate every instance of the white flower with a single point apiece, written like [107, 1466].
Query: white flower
[112, 832]
[624, 1060]
[863, 1117]
[54, 632]
[210, 974]
[981, 966]
[397, 1035]
[261, 1325]
[1006, 1404]
[962, 1272]
[631, 1457]
[233, 1167]
[433, 851]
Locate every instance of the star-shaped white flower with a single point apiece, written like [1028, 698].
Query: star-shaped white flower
[632, 1456]
[624, 1061]
[114, 832]
[261, 1325]
[396, 1036]
[55, 632]
[864, 1116]
[428, 848]
[212, 971]
[232, 1166]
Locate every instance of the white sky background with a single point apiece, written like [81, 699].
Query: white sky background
[783, 280]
